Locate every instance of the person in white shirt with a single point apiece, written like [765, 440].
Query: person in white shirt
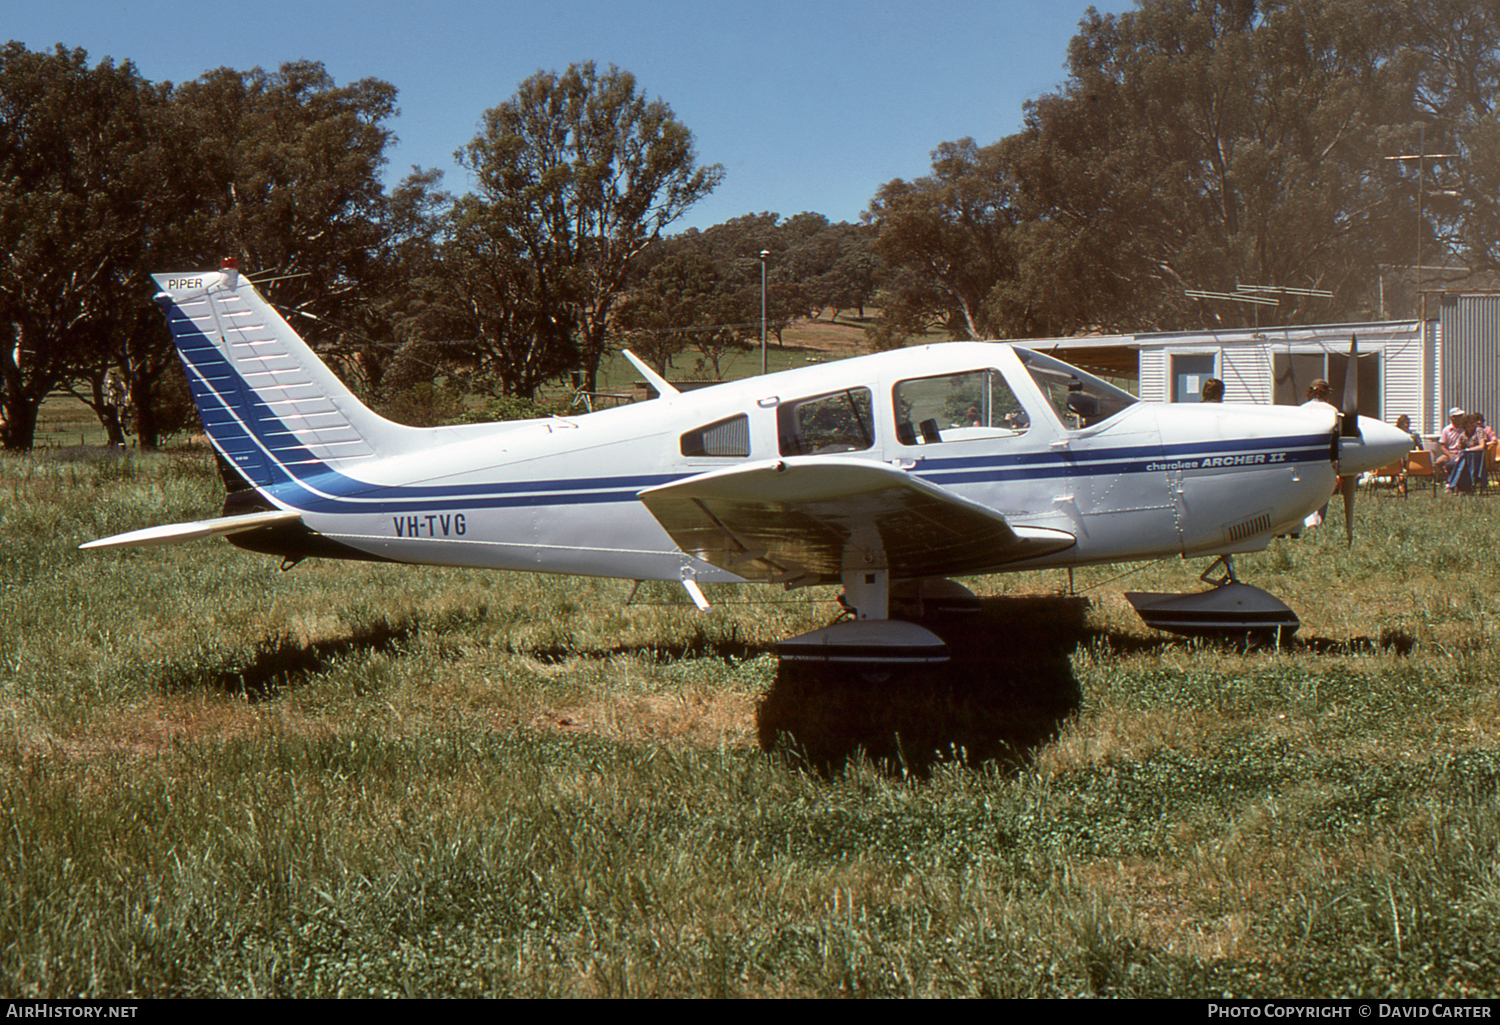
[1320, 394]
[1450, 448]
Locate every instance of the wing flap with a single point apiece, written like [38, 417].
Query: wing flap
[177, 533]
[810, 519]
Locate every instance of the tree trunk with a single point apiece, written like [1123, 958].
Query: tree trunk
[147, 433]
[18, 429]
[107, 412]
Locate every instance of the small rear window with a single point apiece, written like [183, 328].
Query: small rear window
[729, 437]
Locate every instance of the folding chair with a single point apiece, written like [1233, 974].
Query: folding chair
[1393, 476]
[1419, 464]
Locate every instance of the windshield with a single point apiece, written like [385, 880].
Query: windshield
[1080, 398]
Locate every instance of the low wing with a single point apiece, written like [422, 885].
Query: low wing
[177, 533]
[806, 520]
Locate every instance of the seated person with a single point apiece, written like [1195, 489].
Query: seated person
[1449, 452]
[1403, 422]
[1468, 469]
[1082, 405]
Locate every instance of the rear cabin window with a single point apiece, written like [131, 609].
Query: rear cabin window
[957, 407]
[838, 422]
[730, 437]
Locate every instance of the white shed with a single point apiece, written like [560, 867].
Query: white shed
[1416, 367]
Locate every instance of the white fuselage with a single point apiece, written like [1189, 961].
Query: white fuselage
[559, 495]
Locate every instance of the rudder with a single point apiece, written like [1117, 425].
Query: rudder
[267, 402]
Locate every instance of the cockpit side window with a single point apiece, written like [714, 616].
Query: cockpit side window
[957, 407]
[728, 437]
[841, 421]
[1081, 399]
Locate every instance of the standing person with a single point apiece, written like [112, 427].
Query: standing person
[1487, 435]
[1320, 394]
[1213, 390]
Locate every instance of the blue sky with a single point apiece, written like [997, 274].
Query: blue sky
[808, 105]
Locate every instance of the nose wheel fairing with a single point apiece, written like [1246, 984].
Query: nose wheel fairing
[1228, 609]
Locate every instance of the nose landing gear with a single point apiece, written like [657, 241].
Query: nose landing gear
[1229, 610]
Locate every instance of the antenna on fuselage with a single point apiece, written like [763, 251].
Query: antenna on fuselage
[661, 384]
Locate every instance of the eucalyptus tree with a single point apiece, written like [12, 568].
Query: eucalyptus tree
[288, 171]
[677, 303]
[1196, 145]
[509, 317]
[810, 265]
[820, 265]
[1454, 48]
[850, 282]
[578, 173]
[945, 240]
[1204, 144]
[73, 147]
[280, 170]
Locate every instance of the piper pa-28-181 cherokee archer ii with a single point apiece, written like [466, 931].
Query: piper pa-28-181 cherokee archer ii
[883, 473]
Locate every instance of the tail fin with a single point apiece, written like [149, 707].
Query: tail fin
[269, 405]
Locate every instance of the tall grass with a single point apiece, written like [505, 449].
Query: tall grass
[219, 779]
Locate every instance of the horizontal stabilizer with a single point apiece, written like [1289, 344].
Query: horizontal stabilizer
[177, 533]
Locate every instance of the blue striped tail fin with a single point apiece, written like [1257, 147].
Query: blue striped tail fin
[268, 403]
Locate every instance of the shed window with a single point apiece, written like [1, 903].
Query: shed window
[1295, 371]
[1189, 371]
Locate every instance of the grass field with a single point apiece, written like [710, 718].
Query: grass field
[350, 780]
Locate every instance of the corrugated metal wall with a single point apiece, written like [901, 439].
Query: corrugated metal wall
[1470, 326]
[1247, 373]
[1432, 378]
[1403, 382]
[1410, 361]
[1154, 384]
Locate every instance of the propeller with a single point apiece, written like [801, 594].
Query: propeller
[1349, 428]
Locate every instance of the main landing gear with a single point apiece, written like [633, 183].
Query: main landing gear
[995, 686]
[871, 639]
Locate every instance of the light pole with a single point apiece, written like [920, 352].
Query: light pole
[763, 254]
[1421, 157]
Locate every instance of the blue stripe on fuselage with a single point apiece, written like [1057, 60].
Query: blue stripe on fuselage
[1124, 460]
[264, 448]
